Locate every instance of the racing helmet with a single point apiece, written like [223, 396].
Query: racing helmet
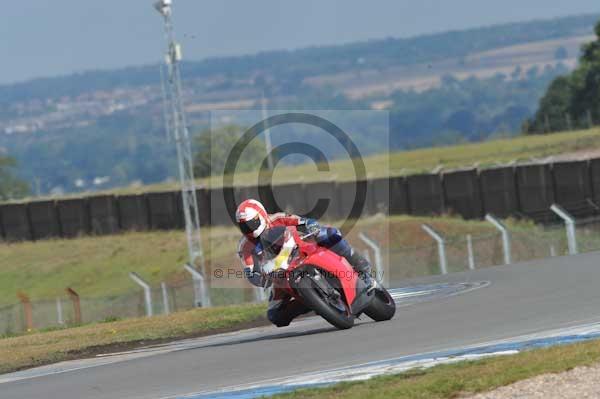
[252, 218]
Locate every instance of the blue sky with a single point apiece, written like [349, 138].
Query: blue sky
[47, 38]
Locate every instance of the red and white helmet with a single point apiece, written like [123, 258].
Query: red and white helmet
[252, 218]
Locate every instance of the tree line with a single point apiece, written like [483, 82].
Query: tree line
[572, 100]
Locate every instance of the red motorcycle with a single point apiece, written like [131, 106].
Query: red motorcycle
[324, 281]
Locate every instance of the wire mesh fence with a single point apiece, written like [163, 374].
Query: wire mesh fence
[462, 254]
[61, 312]
[425, 260]
[488, 250]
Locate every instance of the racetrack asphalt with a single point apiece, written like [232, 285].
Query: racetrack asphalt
[520, 299]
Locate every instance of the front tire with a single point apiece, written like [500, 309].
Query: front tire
[382, 307]
[314, 299]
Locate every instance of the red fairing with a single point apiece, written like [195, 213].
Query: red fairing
[331, 263]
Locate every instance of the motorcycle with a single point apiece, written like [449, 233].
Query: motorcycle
[324, 281]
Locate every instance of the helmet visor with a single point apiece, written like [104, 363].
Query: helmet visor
[248, 226]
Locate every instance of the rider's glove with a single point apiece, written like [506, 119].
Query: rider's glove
[255, 278]
[311, 225]
[254, 274]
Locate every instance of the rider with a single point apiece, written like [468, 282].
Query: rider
[253, 220]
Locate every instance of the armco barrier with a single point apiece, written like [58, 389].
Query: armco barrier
[180, 215]
[203, 198]
[290, 198]
[462, 193]
[425, 194]
[15, 222]
[345, 194]
[219, 215]
[246, 192]
[523, 190]
[572, 182]
[499, 191]
[398, 196]
[103, 214]
[328, 193]
[133, 212]
[378, 196]
[595, 179]
[73, 217]
[163, 209]
[263, 193]
[44, 220]
[535, 188]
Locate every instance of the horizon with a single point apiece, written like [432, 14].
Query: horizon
[373, 39]
[146, 38]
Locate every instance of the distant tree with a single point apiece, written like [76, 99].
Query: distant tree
[462, 121]
[214, 147]
[554, 106]
[11, 187]
[561, 54]
[532, 72]
[570, 99]
[516, 73]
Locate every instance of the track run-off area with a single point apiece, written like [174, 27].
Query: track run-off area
[498, 310]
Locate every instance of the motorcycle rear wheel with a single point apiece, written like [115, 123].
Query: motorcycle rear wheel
[314, 299]
[382, 307]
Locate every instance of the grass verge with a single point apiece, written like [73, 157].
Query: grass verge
[461, 379]
[39, 348]
[98, 267]
[401, 163]
[484, 154]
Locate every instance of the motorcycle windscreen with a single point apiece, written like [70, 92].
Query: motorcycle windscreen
[280, 260]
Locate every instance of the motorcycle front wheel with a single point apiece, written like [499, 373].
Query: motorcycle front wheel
[323, 303]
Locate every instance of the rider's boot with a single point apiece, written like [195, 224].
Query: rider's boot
[362, 266]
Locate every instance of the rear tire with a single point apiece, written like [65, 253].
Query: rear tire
[311, 296]
[382, 307]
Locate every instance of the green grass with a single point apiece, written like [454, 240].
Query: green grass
[484, 154]
[37, 348]
[461, 379]
[99, 266]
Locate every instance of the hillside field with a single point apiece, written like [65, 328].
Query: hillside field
[567, 145]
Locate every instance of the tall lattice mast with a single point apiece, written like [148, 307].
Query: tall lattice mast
[177, 128]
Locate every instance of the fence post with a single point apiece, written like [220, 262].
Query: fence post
[590, 120]
[505, 237]
[381, 275]
[27, 310]
[470, 252]
[147, 293]
[260, 294]
[74, 296]
[59, 312]
[199, 286]
[569, 225]
[552, 251]
[165, 298]
[367, 255]
[441, 247]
